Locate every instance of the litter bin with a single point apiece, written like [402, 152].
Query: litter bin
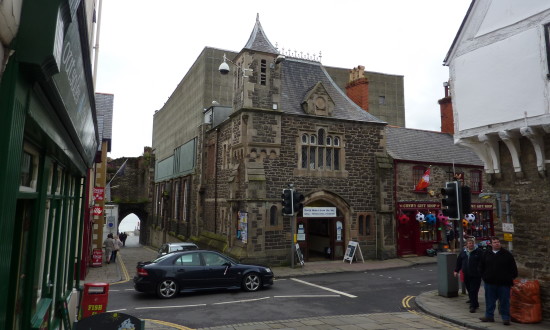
[447, 284]
[94, 299]
[97, 258]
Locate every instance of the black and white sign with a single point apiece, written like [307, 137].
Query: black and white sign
[299, 254]
[352, 249]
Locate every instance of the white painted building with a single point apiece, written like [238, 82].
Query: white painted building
[499, 65]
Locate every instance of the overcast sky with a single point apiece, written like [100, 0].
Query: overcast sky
[146, 48]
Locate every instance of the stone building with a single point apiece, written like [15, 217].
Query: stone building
[412, 152]
[499, 66]
[276, 121]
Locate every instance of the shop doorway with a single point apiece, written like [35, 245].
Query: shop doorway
[321, 238]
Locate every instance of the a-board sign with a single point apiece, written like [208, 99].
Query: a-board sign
[352, 249]
[299, 254]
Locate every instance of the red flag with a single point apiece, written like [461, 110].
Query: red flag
[424, 181]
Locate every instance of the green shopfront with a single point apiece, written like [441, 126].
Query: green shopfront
[48, 142]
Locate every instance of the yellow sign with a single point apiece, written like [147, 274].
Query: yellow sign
[508, 237]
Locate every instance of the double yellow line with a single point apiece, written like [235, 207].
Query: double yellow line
[406, 301]
[123, 269]
[168, 324]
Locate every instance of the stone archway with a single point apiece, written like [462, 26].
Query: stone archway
[130, 188]
[140, 210]
[324, 237]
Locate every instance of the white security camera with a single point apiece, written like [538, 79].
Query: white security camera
[224, 68]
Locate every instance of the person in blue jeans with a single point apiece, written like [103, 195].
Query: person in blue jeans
[468, 262]
[498, 269]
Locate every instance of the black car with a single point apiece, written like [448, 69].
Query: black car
[198, 270]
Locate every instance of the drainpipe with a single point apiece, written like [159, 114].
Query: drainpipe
[216, 182]
[395, 169]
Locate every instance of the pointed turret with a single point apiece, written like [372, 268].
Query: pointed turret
[258, 40]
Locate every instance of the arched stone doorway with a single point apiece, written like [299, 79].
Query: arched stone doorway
[323, 237]
[140, 210]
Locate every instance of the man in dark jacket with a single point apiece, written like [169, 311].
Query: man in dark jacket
[468, 262]
[498, 269]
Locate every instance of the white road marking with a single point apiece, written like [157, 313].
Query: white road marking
[325, 288]
[310, 296]
[160, 307]
[116, 310]
[240, 301]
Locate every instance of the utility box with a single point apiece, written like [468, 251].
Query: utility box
[94, 299]
[447, 284]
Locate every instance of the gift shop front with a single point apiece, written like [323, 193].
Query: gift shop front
[421, 226]
[418, 227]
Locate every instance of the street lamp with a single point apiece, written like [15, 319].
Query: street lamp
[498, 197]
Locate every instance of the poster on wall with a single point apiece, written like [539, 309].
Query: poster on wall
[242, 229]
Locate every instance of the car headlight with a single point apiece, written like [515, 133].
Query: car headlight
[268, 270]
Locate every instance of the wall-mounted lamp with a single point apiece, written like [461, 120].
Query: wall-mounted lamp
[224, 67]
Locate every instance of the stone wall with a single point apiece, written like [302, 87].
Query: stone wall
[530, 213]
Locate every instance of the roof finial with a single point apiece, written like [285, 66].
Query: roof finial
[257, 17]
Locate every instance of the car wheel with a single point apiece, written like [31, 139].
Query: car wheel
[167, 289]
[252, 282]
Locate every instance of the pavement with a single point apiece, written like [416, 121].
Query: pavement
[454, 312]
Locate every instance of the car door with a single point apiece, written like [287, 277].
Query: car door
[189, 271]
[218, 270]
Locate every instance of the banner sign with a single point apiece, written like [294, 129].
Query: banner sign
[99, 193]
[98, 210]
[319, 212]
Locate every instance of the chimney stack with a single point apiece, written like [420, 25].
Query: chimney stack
[357, 88]
[446, 109]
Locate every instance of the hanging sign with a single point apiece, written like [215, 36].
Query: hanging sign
[98, 210]
[99, 193]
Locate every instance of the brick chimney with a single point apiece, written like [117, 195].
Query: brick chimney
[446, 109]
[357, 88]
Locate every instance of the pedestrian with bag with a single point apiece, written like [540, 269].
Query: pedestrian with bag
[109, 244]
[117, 245]
[468, 261]
[498, 269]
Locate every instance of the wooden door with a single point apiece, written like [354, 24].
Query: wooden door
[406, 237]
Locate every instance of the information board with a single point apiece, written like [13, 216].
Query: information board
[352, 249]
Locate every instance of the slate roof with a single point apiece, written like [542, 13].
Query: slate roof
[258, 40]
[104, 113]
[300, 76]
[427, 147]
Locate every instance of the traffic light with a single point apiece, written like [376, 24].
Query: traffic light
[451, 201]
[287, 202]
[298, 200]
[466, 200]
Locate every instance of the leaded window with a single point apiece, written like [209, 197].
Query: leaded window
[320, 151]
